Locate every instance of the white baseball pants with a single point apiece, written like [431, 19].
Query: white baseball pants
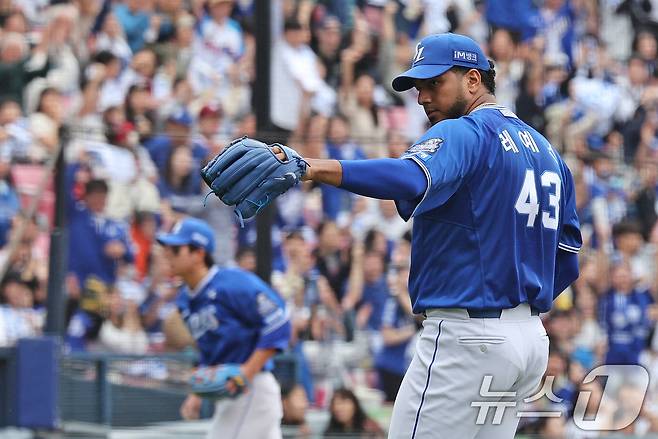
[255, 415]
[454, 355]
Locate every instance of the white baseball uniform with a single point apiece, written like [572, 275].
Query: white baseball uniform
[453, 356]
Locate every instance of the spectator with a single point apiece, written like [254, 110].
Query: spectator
[218, 46]
[556, 30]
[142, 232]
[97, 246]
[645, 201]
[138, 23]
[179, 50]
[64, 73]
[336, 201]
[17, 318]
[295, 80]
[625, 313]
[177, 131]
[160, 299]
[631, 247]
[113, 83]
[9, 202]
[127, 166]
[26, 255]
[647, 47]
[18, 66]
[245, 257]
[600, 411]
[327, 47]
[122, 331]
[295, 405]
[333, 261]
[15, 136]
[44, 125]
[397, 332]
[368, 123]
[348, 417]
[591, 339]
[112, 39]
[180, 180]
[140, 113]
[509, 68]
[209, 124]
[370, 307]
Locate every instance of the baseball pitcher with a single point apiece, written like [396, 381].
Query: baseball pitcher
[495, 238]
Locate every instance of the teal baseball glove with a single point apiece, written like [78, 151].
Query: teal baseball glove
[212, 382]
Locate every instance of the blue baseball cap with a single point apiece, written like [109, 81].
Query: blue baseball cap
[190, 231]
[436, 54]
[181, 117]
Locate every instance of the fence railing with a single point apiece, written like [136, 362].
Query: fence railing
[110, 389]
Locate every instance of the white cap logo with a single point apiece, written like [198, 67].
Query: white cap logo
[198, 237]
[418, 57]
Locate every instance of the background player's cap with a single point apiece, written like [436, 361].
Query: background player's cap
[190, 231]
[436, 54]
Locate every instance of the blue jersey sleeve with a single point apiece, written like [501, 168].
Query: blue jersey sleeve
[263, 308]
[386, 179]
[447, 154]
[570, 239]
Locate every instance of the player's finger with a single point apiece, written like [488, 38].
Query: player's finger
[278, 152]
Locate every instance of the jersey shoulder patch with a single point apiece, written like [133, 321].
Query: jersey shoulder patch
[265, 304]
[424, 150]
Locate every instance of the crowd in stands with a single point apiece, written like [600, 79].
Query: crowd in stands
[139, 94]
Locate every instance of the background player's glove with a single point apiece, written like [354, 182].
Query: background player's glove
[212, 382]
[248, 175]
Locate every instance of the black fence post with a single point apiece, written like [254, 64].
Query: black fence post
[264, 220]
[104, 392]
[57, 263]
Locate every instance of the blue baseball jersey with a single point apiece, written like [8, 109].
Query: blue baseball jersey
[231, 313]
[499, 203]
[89, 233]
[394, 358]
[626, 320]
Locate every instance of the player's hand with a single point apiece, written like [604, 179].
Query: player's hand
[278, 152]
[191, 407]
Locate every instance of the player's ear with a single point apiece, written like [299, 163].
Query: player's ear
[473, 80]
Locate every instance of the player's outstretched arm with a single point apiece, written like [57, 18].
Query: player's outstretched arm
[386, 179]
[250, 174]
[324, 171]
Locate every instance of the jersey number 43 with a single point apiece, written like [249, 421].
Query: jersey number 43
[527, 203]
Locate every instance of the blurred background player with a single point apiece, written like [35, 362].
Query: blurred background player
[234, 317]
